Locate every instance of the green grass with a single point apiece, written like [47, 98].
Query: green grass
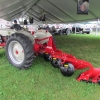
[43, 82]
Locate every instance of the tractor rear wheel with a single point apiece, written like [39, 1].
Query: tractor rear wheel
[19, 51]
[67, 69]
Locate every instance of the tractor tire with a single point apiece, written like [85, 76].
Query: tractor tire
[67, 70]
[68, 31]
[88, 32]
[55, 63]
[60, 32]
[47, 57]
[19, 51]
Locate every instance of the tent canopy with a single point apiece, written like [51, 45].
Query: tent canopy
[57, 11]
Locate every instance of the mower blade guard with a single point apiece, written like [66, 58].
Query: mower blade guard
[91, 75]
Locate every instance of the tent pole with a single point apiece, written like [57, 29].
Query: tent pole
[75, 29]
[96, 33]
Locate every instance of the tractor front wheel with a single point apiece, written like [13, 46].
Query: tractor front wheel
[67, 69]
[19, 51]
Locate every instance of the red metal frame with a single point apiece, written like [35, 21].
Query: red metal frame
[92, 74]
[3, 44]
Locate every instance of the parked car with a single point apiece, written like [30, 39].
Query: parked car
[67, 31]
[86, 30]
[78, 29]
[81, 30]
[60, 31]
[56, 31]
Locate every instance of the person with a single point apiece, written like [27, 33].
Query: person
[48, 29]
[16, 26]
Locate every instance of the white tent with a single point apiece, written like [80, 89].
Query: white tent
[57, 11]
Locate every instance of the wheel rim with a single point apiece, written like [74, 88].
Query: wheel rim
[16, 52]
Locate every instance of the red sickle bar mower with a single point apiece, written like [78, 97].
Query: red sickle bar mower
[67, 63]
[22, 46]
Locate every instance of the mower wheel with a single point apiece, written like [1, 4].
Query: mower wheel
[46, 57]
[67, 69]
[19, 51]
[55, 62]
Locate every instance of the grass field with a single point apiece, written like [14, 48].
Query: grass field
[43, 82]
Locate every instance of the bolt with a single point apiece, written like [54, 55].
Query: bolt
[16, 52]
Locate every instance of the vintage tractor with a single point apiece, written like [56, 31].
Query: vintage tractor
[21, 47]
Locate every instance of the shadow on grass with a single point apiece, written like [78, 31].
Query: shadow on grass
[2, 53]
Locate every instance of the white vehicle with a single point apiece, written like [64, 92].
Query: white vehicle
[86, 30]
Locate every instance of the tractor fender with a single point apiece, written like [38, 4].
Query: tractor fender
[29, 35]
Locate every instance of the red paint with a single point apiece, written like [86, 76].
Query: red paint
[92, 74]
[17, 52]
[3, 44]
